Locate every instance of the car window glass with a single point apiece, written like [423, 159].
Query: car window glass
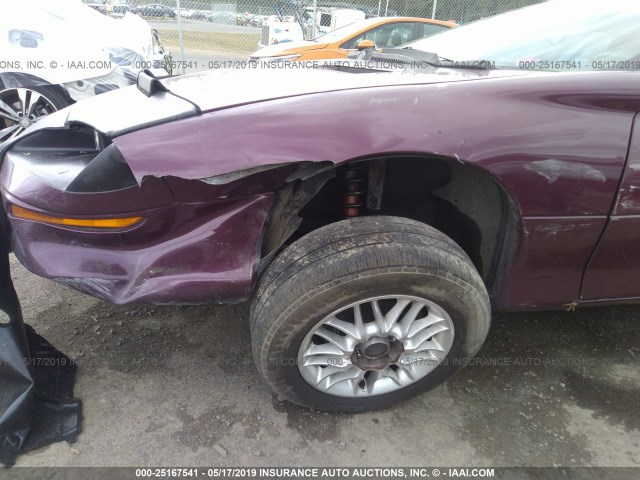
[385, 36]
[431, 29]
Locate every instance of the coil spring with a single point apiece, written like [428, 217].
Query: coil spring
[354, 182]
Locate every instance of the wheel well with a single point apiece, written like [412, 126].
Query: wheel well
[461, 200]
[19, 79]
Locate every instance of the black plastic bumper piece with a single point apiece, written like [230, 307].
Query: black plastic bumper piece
[36, 380]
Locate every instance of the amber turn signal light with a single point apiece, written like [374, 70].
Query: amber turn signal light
[20, 212]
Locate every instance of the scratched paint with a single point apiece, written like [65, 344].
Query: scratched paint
[553, 169]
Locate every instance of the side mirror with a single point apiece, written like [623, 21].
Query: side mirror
[365, 45]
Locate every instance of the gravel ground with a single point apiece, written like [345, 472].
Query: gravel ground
[176, 386]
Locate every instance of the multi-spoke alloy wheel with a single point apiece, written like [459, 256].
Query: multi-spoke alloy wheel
[22, 107]
[376, 346]
[363, 313]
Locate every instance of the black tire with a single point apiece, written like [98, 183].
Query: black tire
[56, 95]
[352, 260]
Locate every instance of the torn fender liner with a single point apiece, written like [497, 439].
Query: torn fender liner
[36, 381]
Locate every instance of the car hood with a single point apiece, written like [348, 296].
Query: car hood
[219, 89]
[128, 109]
[288, 48]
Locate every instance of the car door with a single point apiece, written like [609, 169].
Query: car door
[614, 269]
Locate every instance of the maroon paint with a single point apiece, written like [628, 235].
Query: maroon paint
[614, 270]
[34, 192]
[628, 202]
[558, 156]
[550, 261]
[183, 253]
[503, 125]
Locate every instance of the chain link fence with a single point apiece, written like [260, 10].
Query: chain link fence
[198, 31]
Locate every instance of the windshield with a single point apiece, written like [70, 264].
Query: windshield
[556, 35]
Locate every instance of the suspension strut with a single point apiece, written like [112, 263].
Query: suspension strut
[354, 187]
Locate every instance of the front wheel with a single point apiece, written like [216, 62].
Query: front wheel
[363, 313]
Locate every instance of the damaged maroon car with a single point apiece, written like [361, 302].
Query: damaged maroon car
[373, 216]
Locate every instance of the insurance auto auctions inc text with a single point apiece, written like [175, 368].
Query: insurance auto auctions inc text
[420, 472]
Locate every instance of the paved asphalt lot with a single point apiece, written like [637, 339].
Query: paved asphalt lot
[175, 386]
